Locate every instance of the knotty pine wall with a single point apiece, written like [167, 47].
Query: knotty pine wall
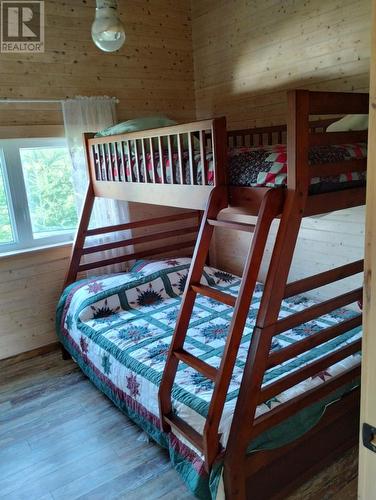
[247, 54]
[152, 73]
[30, 285]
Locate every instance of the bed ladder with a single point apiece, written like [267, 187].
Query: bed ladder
[208, 443]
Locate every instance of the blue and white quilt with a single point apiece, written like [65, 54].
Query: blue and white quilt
[119, 327]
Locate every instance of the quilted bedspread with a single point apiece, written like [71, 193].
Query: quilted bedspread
[118, 328]
[267, 166]
[247, 166]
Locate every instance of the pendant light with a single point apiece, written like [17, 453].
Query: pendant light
[107, 30]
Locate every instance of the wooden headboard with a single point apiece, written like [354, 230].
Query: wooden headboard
[274, 134]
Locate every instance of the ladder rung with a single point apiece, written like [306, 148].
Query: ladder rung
[239, 226]
[207, 291]
[186, 430]
[204, 368]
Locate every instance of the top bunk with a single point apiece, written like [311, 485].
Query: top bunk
[180, 165]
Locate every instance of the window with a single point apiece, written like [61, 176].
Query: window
[6, 231]
[37, 205]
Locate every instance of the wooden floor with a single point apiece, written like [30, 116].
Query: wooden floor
[60, 438]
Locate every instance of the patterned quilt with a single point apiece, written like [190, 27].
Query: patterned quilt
[118, 328]
[248, 166]
[267, 166]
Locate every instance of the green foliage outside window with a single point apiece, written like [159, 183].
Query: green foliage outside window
[47, 173]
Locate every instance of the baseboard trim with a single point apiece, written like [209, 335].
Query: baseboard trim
[33, 353]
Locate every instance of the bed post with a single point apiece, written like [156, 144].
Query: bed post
[83, 225]
[79, 240]
[274, 290]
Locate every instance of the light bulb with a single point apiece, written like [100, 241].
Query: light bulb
[107, 30]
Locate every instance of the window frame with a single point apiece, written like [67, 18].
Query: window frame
[16, 194]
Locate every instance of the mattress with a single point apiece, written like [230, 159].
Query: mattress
[118, 328]
[264, 166]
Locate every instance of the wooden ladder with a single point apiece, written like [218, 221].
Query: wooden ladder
[208, 443]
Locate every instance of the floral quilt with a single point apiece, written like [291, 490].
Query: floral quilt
[119, 327]
[248, 166]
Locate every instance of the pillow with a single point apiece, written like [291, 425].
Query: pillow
[151, 266]
[146, 123]
[135, 125]
[349, 123]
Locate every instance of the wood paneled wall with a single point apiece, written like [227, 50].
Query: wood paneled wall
[30, 285]
[152, 73]
[247, 53]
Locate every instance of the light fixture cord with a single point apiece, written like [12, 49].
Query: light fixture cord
[106, 4]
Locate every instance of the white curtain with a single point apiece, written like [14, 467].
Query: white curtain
[91, 114]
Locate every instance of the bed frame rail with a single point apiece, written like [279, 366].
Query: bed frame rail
[267, 136]
[314, 340]
[293, 464]
[167, 243]
[324, 278]
[319, 365]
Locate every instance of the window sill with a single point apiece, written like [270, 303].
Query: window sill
[33, 250]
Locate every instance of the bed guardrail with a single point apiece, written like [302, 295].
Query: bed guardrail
[332, 103]
[267, 136]
[307, 130]
[315, 339]
[181, 163]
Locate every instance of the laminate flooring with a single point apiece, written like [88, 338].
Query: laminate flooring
[61, 439]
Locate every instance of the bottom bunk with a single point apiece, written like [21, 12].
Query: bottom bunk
[119, 327]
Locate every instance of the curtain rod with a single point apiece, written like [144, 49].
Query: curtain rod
[30, 101]
[6, 101]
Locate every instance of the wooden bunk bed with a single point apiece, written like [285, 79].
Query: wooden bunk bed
[198, 182]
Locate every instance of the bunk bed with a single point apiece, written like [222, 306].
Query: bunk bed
[238, 380]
